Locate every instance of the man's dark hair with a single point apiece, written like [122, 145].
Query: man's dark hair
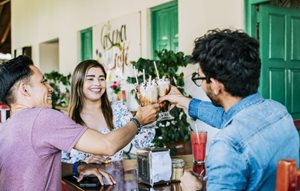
[11, 72]
[232, 58]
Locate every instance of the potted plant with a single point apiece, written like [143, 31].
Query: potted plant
[61, 88]
[168, 133]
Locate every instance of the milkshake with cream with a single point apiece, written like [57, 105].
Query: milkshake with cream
[163, 89]
[147, 93]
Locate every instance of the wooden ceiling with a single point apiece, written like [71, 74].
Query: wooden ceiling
[5, 27]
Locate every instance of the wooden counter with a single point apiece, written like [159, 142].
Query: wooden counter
[126, 177]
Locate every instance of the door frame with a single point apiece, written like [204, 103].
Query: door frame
[250, 7]
[251, 26]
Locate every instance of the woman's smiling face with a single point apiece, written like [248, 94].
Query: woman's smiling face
[94, 85]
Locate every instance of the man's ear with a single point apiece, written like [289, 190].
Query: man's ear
[216, 86]
[23, 89]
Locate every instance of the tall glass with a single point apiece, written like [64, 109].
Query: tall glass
[164, 88]
[198, 141]
[147, 94]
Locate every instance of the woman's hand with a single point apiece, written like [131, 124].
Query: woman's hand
[94, 169]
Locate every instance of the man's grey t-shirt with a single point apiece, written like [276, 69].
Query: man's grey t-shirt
[30, 149]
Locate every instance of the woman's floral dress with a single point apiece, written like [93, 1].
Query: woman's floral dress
[121, 116]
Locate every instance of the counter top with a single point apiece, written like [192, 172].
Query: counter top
[126, 177]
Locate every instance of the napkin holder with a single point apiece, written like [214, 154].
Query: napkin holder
[154, 166]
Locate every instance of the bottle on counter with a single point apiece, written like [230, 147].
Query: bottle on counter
[177, 169]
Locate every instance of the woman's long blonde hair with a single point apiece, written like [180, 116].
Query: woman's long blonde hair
[77, 96]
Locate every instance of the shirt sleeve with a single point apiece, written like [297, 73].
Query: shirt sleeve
[54, 131]
[226, 169]
[206, 112]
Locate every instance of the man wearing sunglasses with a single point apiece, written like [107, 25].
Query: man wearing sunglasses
[255, 133]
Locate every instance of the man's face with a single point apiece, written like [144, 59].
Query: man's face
[207, 87]
[39, 90]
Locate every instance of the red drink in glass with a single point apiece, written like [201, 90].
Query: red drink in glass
[198, 140]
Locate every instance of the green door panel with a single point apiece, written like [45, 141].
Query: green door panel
[174, 29]
[280, 53]
[86, 37]
[163, 30]
[277, 37]
[165, 27]
[295, 93]
[277, 84]
[295, 25]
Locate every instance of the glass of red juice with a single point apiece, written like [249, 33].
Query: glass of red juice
[198, 141]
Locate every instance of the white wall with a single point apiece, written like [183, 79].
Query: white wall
[198, 16]
[195, 18]
[49, 57]
[36, 21]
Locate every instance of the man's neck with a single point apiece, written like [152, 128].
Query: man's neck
[16, 107]
[228, 101]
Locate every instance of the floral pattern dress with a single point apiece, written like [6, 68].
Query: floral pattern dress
[121, 116]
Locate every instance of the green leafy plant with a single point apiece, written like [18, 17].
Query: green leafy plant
[61, 88]
[168, 63]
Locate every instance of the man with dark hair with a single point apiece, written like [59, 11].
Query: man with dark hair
[255, 133]
[31, 140]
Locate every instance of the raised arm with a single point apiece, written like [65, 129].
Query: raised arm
[206, 112]
[94, 142]
[122, 116]
[176, 98]
[197, 109]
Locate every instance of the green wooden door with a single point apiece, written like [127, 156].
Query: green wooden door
[279, 32]
[165, 27]
[86, 37]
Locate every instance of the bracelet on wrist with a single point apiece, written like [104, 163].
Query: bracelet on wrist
[137, 124]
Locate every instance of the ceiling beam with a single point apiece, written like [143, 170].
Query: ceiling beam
[5, 26]
[1, 8]
[4, 2]
[5, 34]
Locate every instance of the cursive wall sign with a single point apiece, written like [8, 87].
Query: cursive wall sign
[110, 38]
[115, 47]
